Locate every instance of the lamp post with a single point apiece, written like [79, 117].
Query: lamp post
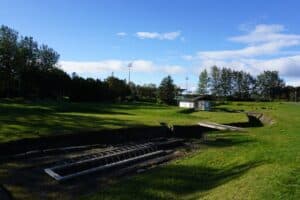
[186, 84]
[129, 66]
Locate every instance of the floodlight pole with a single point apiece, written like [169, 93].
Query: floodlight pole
[129, 66]
[186, 83]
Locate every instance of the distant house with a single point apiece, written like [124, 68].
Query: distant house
[198, 103]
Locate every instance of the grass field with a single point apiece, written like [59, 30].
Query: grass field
[25, 120]
[263, 163]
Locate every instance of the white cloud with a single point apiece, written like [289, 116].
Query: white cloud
[121, 34]
[160, 36]
[265, 33]
[287, 66]
[264, 50]
[250, 51]
[87, 67]
[293, 82]
[143, 66]
[173, 69]
[262, 40]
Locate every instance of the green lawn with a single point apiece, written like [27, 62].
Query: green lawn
[23, 120]
[263, 163]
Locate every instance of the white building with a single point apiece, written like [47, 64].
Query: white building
[198, 103]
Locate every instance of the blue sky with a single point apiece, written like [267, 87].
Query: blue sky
[161, 37]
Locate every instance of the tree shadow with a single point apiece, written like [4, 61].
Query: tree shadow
[96, 107]
[173, 181]
[46, 108]
[252, 122]
[187, 111]
[227, 142]
[176, 181]
[34, 121]
[4, 193]
[221, 109]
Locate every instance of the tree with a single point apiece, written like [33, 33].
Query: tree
[215, 81]
[47, 58]
[247, 86]
[225, 82]
[118, 88]
[203, 84]
[8, 53]
[147, 92]
[167, 90]
[242, 85]
[26, 63]
[268, 84]
[30, 70]
[24, 67]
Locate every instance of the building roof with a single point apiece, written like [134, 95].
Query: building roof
[194, 98]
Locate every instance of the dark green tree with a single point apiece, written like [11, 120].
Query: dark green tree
[268, 84]
[203, 84]
[242, 85]
[8, 54]
[226, 82]
[167, 90]
[147, 92]
[118, 89]
[47, 58]
[26, 65]
[215, 81]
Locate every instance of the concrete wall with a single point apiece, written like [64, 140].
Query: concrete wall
[203, 105]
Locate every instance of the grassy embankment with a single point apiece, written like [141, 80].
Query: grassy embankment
[262, 163]
[26, 120]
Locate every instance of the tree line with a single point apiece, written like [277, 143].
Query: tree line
[226, 83]
[29, 70]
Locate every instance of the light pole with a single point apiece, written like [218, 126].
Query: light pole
[186, 83]
[129, 66]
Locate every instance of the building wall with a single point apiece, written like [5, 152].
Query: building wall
[203, 105]
[185, 104]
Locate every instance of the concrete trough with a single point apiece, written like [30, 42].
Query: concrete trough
[220, 127]
[117, 158]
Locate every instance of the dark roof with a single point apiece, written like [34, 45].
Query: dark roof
[194, 98]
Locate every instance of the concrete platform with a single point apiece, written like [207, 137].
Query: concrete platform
[220, 127]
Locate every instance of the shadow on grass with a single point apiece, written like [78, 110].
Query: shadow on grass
[187, 111]
[252, 122]
[167, 182]
[4, 193]
[26, 120]
[42, 109]
[175, 181]
[220, 109]
[227, 142]
[55, 123]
